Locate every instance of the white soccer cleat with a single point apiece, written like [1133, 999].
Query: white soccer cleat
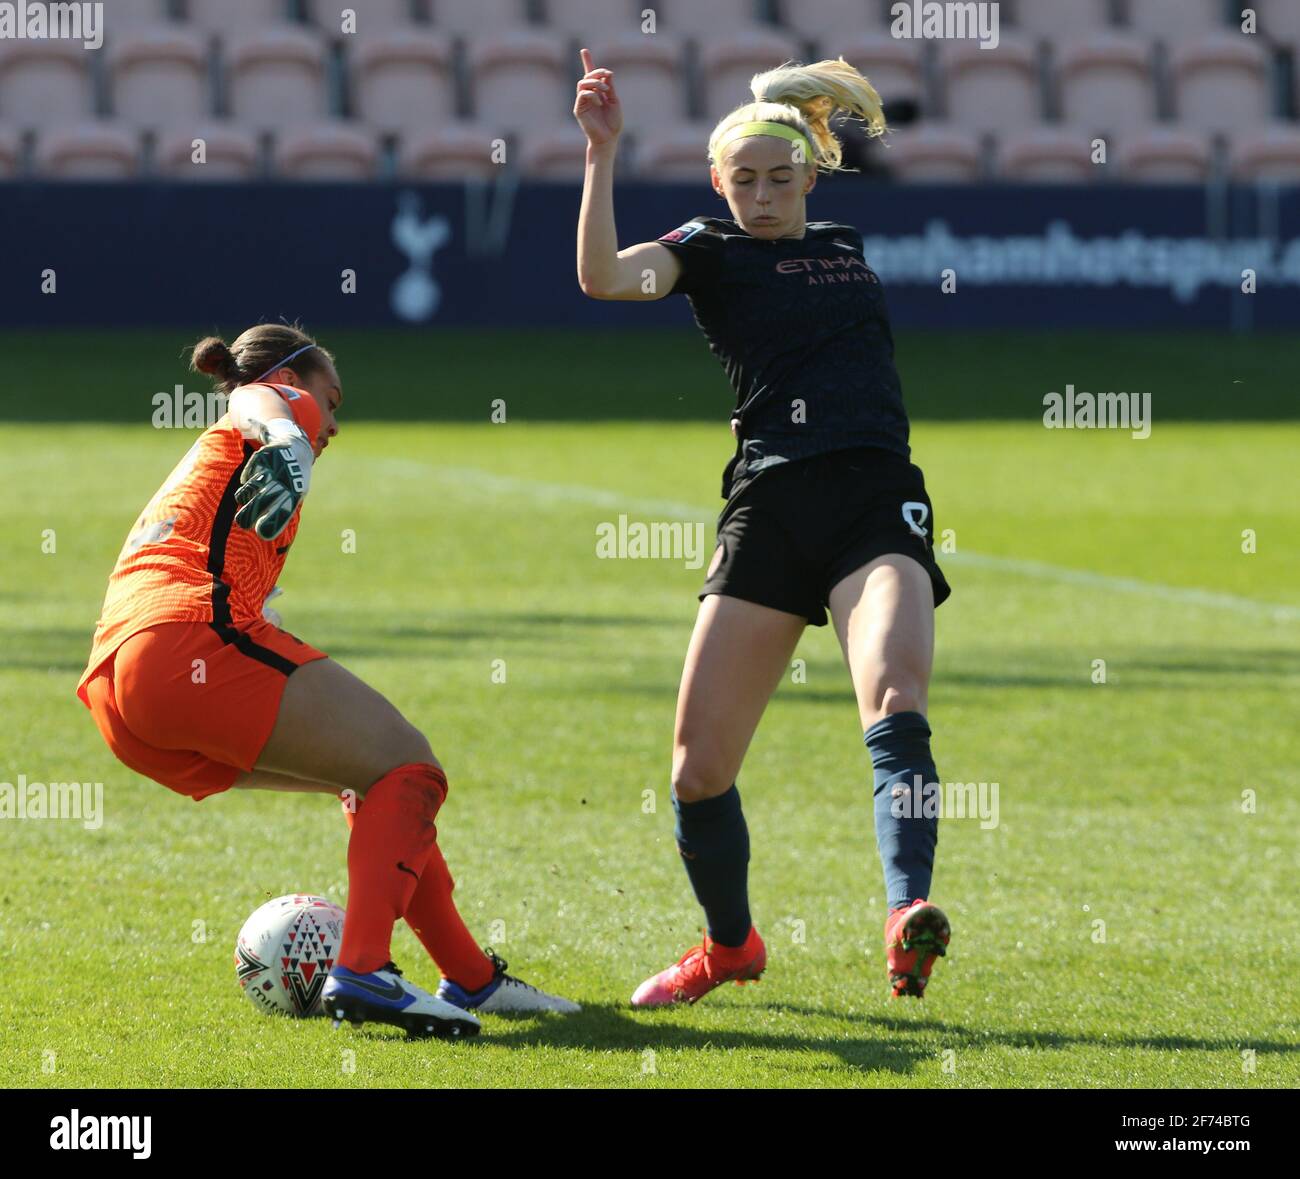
[504, 993]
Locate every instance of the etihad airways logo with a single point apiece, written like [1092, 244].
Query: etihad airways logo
[844, 268]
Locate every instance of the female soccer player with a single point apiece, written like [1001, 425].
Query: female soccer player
[191, 686]
[823, 508]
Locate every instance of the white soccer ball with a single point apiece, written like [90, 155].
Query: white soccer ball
[284, 953]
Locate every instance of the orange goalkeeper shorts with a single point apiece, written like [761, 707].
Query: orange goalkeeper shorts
[190, 705]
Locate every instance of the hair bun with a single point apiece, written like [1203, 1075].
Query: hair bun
[212, 355]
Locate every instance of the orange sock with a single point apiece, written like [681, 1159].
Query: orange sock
[432, 914]
[393, 836]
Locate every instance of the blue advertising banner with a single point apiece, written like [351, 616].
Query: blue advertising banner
[112, 255]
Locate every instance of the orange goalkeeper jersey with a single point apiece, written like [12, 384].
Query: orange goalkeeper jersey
[185, 560]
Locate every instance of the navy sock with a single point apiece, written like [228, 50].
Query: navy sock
[714, 843]
[900, 751]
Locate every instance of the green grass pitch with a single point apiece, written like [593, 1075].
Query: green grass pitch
[1120, 803]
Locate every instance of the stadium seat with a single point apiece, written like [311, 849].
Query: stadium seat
[88, 151]
[125, 16]
[1172, 21]
[44, 83]
[373, 17]
[831, 22]
[931, 153]
[1271, 154]
[404, 79]
[589, 20]
[674, 153]
[1163, 155]
[451, 151]
[1221, 81]
[230, 154]
[11, 153]
[1061, 19]
[1106, 82]
[520, 79]
[327, 151]
[159, 76]
[649, 75]
[473, 17]
[1048, 155]
[705, 18]
[892, 66]
[554, 153]
[1278, 20]
[277, 77]
[728, 61]
[238, 18]
[992, 89]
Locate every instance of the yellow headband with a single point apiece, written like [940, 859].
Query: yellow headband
[744, 130]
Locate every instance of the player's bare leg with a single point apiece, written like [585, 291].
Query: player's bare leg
[884, 617]
[738, 652]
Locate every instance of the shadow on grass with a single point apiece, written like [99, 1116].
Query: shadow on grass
[885, 1043]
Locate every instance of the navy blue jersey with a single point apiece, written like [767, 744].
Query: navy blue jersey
[801, 329]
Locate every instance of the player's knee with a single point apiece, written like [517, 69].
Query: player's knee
[700, 773]
[900, 694]
[399, 743]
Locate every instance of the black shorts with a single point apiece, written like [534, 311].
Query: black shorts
[792, 533]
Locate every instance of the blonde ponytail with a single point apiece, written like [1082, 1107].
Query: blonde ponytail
[807, 98]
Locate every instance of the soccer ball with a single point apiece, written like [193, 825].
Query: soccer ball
[285, 951]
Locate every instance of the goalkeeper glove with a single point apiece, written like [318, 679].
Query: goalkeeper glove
[275, 478]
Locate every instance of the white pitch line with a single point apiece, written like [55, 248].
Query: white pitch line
[537, 491]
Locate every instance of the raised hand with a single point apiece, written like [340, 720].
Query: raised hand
[597, 109]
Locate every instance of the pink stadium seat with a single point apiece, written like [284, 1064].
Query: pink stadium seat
[1172, 21]
[1164, 155]
[520, 79]
[373, 17]
[892, 66]
[992, 89]
[44, 83]
[589, 20]
[159, 76]
[474, 18]
[1051, 155]
[90, 151]
[230, 154]
[327, 151]
[1221, 81]
[11, 153]
[1278, 20]
[404, 79]
[675, 153]
[1061, 18]
[648, 75]
[277, 77]
[931, 153]
[830, 23]
[1106, 82]
[701, 18]
[238, 18]
[451, 151]
[728, 61]
[555, 153]
[1270, 154]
